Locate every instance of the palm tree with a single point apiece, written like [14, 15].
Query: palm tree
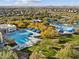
[68, 53]
[5, 53]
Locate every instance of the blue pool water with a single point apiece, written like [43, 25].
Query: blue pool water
[20, 36]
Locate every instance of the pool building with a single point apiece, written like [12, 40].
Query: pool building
[5, 28]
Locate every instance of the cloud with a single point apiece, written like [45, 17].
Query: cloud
[26, 2]
[19, 2]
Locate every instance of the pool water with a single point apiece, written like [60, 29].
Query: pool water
[20, 37]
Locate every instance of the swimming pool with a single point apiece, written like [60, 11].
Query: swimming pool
[20, 37]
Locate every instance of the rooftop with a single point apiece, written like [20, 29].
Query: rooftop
[5, 26]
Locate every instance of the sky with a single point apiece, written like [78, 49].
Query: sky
[39, 2]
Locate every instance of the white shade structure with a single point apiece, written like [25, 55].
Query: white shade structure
[7, 28]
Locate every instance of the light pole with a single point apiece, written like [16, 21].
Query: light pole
[1, 37]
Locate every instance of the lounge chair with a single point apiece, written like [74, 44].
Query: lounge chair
[34, 40]
[22, 46]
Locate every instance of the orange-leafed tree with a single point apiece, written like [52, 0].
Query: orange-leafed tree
[50, 32]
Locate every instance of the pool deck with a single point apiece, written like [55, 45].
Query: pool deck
[35, 34]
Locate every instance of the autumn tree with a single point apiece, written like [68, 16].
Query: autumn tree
[50, 32]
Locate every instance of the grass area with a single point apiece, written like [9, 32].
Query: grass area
[74, 39]
[63, 48]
